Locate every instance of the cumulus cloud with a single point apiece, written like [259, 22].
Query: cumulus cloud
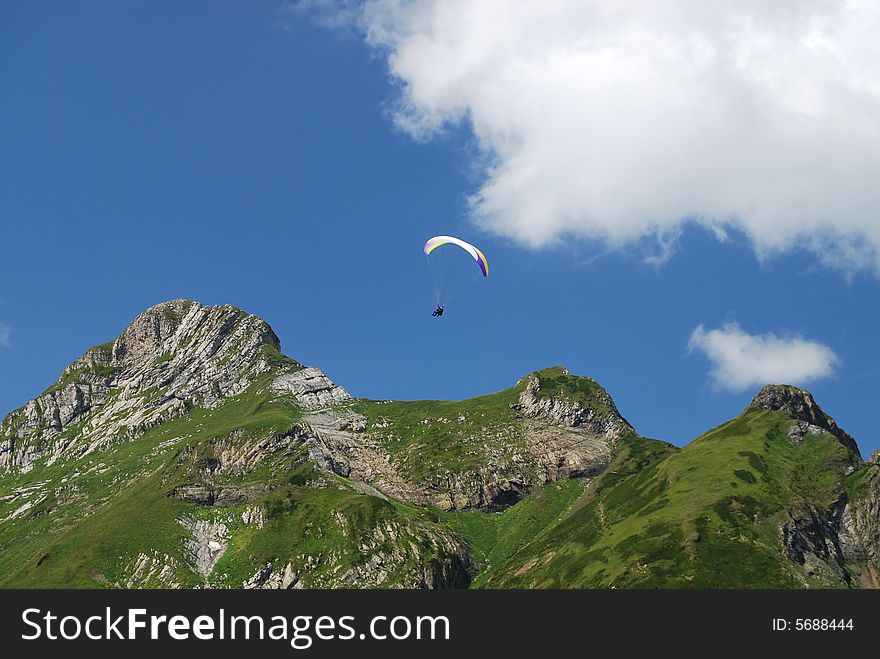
[741, 360]
[4, 335]
[617, 120]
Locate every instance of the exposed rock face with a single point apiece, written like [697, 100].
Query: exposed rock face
[216, 469]
[332, 432]
[860, 530]
[172, 356]
[829, 544]
[254, 516]
[219, 495]
[152, 570]
[799, 405]
[840, 545]
[36, 429]
[319, 533]
[491, 487]
[558, 438]
[601, 419]
[434, 558]
[237, 454]
[362, 459]
[569, 452]
[800, 429]
[359, 457]
[285, 578]
[207, 544]
[311, 389]
[550, 453]
[811, 539]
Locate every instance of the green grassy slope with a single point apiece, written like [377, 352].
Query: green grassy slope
[707, 516]
[115, 503]
[495, 537]
[429, 437]
[105, 510]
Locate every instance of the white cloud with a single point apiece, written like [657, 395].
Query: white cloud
[741, 360]
[4, 335]
[620, 119]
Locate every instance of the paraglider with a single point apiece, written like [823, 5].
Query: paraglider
[450, 277]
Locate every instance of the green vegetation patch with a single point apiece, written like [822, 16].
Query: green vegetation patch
[707, 515]
[103, 510]
[495, 537]
[556, 382]
[428, 439]
[164, 357]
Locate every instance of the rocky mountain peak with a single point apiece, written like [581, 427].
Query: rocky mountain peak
[799, 405]
[787, 399]
[555, 395]
[171, 357]
[176, 326]
[148, 333]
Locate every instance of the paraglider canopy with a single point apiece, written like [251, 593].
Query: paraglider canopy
[437, 241]
[450, 270]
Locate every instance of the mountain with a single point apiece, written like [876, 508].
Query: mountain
[768, 499]
[190, 452]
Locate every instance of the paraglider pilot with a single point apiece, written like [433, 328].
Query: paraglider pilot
[437, 241]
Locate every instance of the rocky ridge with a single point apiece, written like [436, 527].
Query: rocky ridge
[172, 357]
[859, 530]
[600, 419]
[557, 437]
[841, 542]
[438, 560]
[800, 406]
[179, 356]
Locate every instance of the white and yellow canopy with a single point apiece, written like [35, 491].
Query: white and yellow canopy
[479, 257]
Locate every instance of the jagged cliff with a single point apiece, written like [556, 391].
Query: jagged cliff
[808, 416]
[813, 533]
[859, 527]
[777, 497]
[486, 453]
[172, 357]
[189, 452]
[195, 408]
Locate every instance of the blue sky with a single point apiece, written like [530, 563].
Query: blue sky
[236, 153]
